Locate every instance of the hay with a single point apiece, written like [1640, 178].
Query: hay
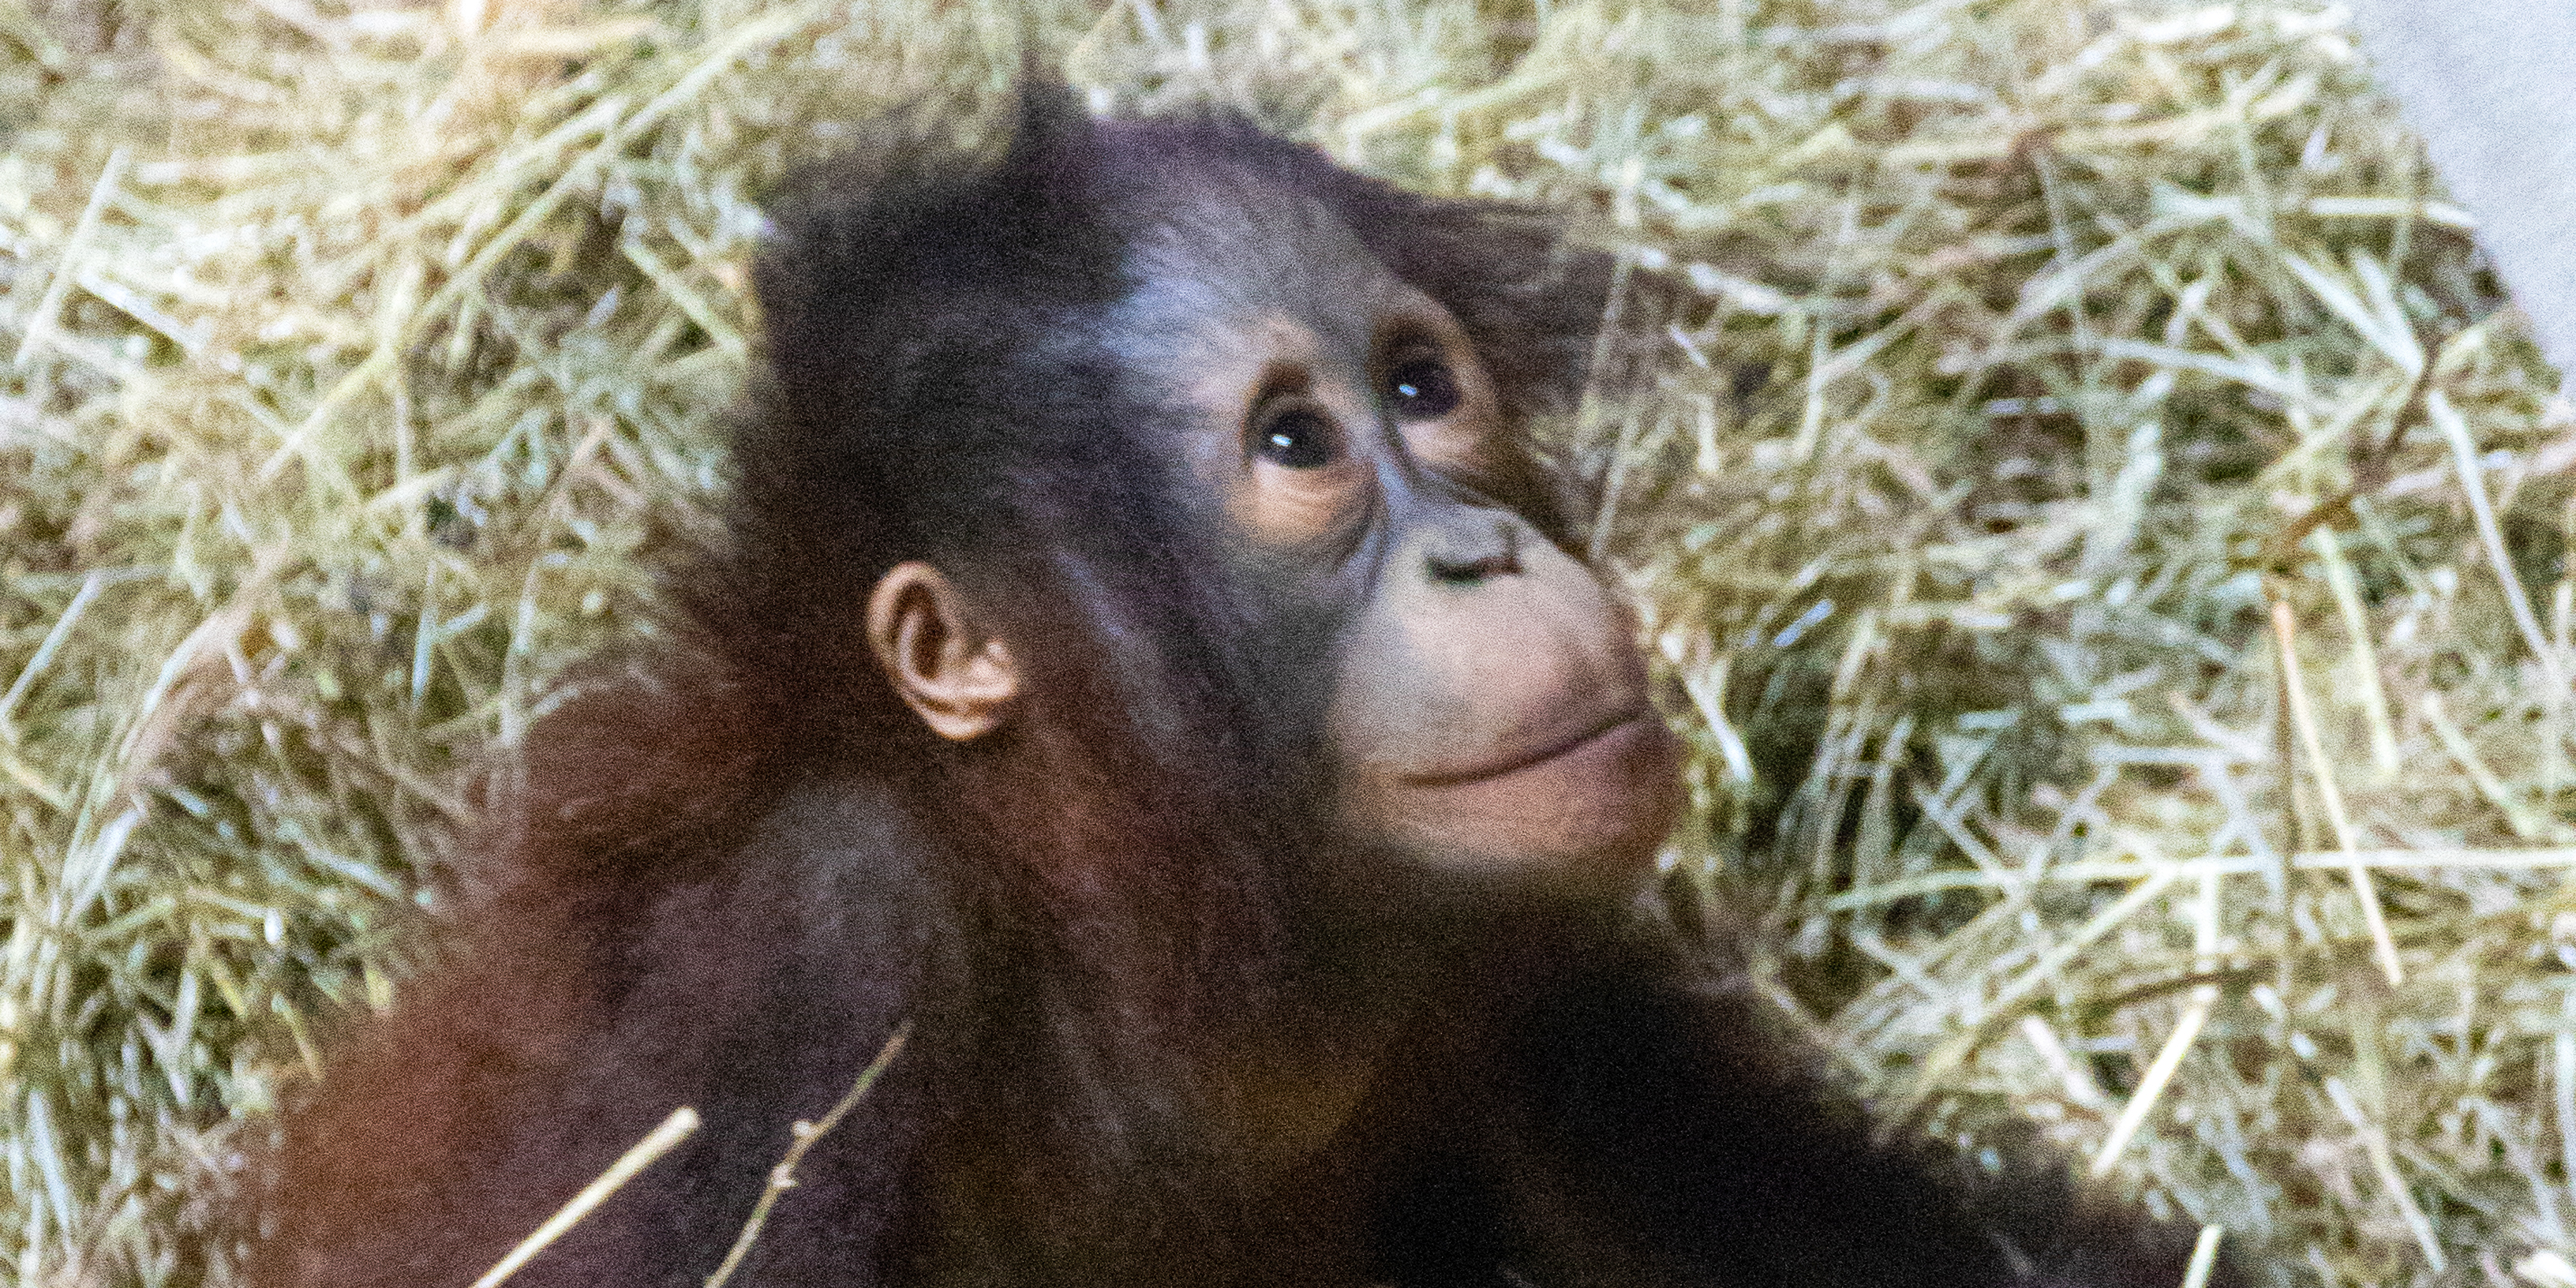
[2039, 357]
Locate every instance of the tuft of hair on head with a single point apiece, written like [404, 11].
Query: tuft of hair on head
[911, 289]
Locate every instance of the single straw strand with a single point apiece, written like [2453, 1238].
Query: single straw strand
[41, 324]
[2160, 1071]
[2152, 1085]
[673, 1130]
[802, 1137]
[2321, 771]
[2204, 1257]
[2383, 1161]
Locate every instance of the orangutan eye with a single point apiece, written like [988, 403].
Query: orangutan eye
[1300, 438]
[1422, 388]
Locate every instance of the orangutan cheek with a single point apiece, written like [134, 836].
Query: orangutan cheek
[1500, 726]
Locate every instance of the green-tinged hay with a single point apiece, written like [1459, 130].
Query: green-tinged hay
[2112, 540]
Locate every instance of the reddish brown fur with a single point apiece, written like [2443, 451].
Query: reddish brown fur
[617, 790]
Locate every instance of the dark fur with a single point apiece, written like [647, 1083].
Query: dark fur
[731, 875]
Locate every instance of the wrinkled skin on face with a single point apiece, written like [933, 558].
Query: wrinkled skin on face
[1488, 716]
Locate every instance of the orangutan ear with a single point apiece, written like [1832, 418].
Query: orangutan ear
[958, 680]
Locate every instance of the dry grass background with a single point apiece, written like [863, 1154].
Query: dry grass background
[2116, 548]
